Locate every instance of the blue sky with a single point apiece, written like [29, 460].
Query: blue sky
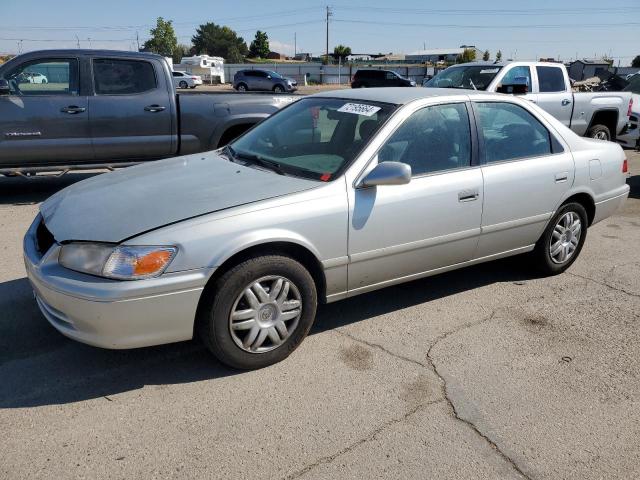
[522, 30]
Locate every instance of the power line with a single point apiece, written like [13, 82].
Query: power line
[485, 26]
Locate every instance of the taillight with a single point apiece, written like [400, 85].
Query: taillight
[195, 78]
[625, 166]
[630, 108]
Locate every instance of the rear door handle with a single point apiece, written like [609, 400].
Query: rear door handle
[72, 109]
[562, 177]
[468, 195]
[154, 108]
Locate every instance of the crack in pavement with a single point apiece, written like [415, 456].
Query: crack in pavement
[330, 458]
[443, 384]
[604, 284]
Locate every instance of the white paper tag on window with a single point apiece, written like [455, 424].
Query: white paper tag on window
[359, 109]
[489, 70]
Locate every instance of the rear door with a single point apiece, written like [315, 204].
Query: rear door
[45, 117]
[526, 172]
[131, 110]
[554, 93]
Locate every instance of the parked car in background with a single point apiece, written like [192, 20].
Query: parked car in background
[114, 109]
[631, 138]
[600, 115]
[338, 194]
[367, 78]
[185, 80]
[266, 80]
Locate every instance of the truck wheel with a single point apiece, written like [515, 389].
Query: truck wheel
[242, 87]
[278, 89]
[258, 312]
[183, 84]
[599, 132]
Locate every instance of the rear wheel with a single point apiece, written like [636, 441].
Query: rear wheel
[242, 87]
[183, 84]
[562, 241]
[599, 132]
[258, 312]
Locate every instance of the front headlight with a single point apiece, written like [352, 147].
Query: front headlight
[119, 262]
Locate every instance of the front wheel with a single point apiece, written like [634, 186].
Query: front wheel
[258, 312]
[599, 132]
[278, 89]
[562, 241]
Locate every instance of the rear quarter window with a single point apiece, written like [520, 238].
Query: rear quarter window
[550, 79]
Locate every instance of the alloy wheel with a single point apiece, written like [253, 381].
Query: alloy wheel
[265, 314]
[565, 237]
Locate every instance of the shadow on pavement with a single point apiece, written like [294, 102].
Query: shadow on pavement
[38, 366]
[634, 184]
[27, 191]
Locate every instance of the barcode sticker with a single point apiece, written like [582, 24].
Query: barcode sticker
[359, 109]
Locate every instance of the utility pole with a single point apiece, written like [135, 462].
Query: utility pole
[295, 44]
[77, 41]
[137, 40]
[329, 13]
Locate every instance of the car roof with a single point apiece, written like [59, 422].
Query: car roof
[72, 52]
[396, 95]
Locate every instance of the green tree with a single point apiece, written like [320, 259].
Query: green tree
[636, 62]
[342, 51]
[181, 51]
[468, 55]
[486, 55]
[498, 56]
[216, 40]
[259, 48]
[163, 38]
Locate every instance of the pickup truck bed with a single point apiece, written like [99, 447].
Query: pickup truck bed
[75, 109]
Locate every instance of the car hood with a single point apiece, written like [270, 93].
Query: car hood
[115, 206]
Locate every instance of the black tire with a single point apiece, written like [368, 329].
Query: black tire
[278, 89]
[219, 299]
[600, 132]
[242, 87]
[183, 84]
[542, 254]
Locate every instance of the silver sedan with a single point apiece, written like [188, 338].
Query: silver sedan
[338, 194]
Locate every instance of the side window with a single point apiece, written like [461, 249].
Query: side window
[515, 75]
[510, 132]
[390, 76]
[551, 79]
[177, 74]
[45, 77]
[122, 77]
[432, 139]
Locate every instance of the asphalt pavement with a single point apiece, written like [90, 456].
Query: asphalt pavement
[489, 372]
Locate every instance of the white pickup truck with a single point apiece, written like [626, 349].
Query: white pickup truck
[601, 115]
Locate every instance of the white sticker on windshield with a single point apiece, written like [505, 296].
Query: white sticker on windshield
[359, 109]
[490, 70]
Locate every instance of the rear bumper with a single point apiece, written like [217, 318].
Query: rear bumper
[606, 208]
[109, 313]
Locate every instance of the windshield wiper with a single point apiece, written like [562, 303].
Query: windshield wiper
[258, 160]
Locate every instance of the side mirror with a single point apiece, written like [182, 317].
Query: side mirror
[269, 77]
[517, 87]
[387, 173]
[5, 88]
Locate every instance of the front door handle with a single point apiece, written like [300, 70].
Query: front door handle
[566, 102]
[154, 108]
[562, 177]
[468, 195]
[73, 109]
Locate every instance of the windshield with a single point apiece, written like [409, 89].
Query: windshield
[634, 84]
[465, 77]
[314, 137]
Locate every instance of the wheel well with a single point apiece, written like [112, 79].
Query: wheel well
[587, 202]
[608, 118]
[232, 133]
[288, 249]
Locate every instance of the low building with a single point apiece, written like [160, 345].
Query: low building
[276, 56]
[211, 69]
[587, 68]
[303, 57]
[435, 55]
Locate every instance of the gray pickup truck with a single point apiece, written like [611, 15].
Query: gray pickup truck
[601, 115]
[78, 109]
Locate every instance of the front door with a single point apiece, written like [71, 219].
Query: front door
[399, 232]
[526, 173]
[131, 113]
[44, 119]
